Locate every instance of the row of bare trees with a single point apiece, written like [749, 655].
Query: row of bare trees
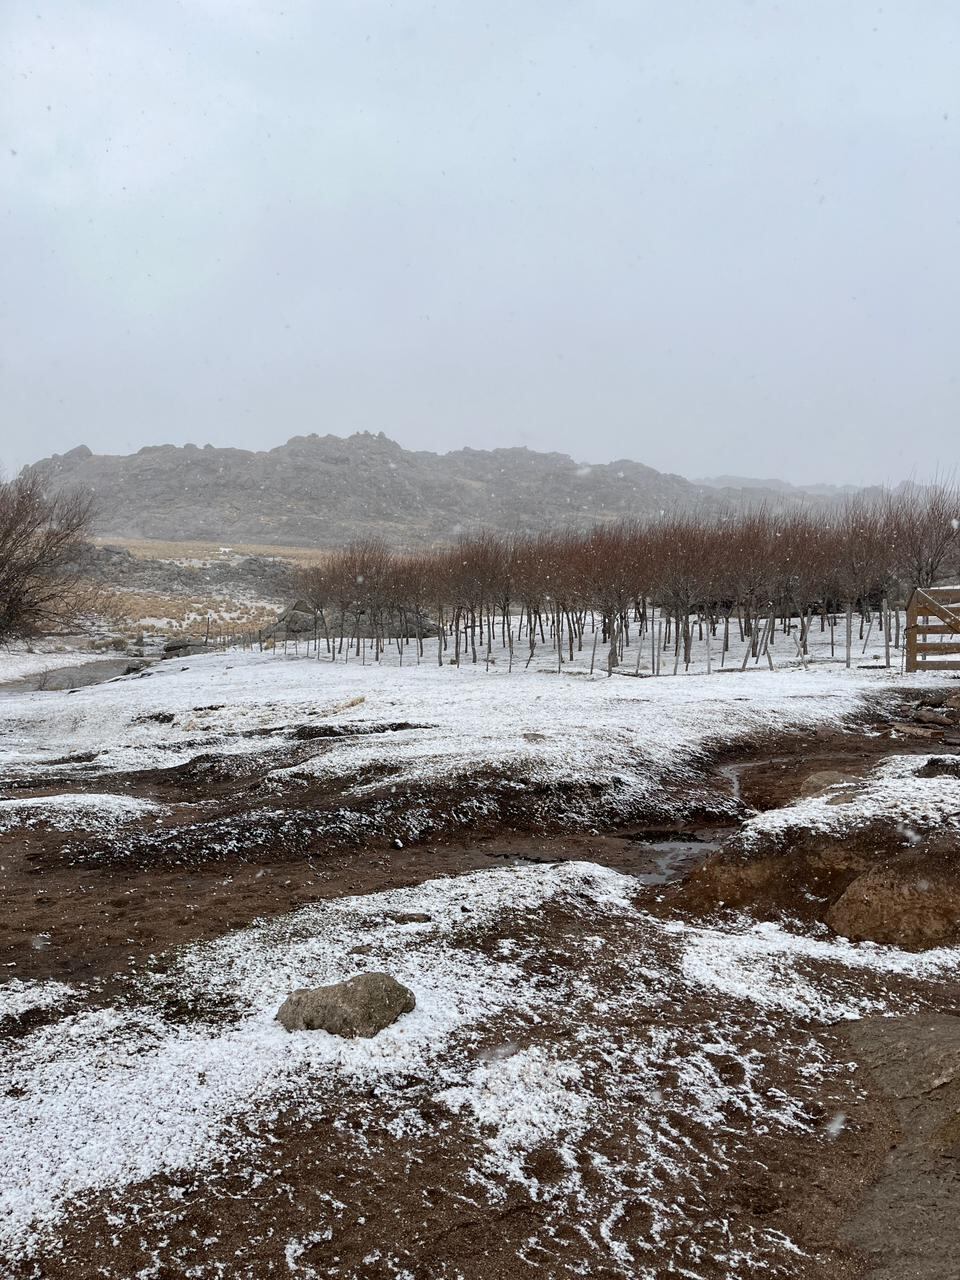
[692, 571]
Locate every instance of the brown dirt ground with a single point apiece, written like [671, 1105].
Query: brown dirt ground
[87, 918]
[907, 1223]
[412, 1195]
[77, 907]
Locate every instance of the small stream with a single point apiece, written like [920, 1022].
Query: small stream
[673, 859]
[734, 771]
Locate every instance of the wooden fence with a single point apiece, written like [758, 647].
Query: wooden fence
[933, 612]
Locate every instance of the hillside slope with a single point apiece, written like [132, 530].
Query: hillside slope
[325, 490]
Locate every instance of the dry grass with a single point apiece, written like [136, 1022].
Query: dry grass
[153, 549]
[133, 612]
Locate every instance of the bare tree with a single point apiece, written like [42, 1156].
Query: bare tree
[925, 527]
[757, 565]
[42, 586]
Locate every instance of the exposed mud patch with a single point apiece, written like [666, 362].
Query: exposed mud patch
[871, 854]
[305, 732]
[907, 1223]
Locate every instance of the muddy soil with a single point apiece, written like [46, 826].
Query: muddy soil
[79, 908]
[882, 882]
[378, 1183]
[908, 1222]
[74, 923]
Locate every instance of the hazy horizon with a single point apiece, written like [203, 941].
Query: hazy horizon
[712, 241]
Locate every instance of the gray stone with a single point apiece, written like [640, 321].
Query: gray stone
[929, 715]
[940, 767]
[360, 1006]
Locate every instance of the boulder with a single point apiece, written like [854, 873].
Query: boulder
[298, 619]
[185, 646]
[934, 716]
[940, 767]
[360, 1006]
[910, 906]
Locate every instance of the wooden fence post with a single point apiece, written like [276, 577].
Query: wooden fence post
[886, 633]
[849, 632]
[911, 633]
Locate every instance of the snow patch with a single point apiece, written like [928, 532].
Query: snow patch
[892, 791]
[17, 996]
[763, 964]
[68, 811]
[527, 1099]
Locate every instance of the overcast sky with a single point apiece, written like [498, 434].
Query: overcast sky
[713, 237]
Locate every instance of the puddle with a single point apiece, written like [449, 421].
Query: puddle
[665, 860]
[653, 858]
[64, 679]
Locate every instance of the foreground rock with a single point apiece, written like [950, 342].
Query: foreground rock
[360, 1006]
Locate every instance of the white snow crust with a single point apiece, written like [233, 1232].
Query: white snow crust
[533, 725]
[89, 811]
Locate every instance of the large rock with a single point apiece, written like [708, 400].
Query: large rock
[361, 1006]
[940, 767]
[913, 904]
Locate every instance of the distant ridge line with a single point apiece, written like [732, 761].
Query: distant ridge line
[326, 490]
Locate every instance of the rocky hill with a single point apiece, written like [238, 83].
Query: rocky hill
[324, 490]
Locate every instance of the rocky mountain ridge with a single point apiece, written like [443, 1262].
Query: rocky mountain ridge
[325, 490]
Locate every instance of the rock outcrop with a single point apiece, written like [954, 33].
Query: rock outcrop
[325, 490]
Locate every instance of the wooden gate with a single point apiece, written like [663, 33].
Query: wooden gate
[933, 612]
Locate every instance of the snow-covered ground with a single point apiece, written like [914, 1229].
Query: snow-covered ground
[533, 724]
[103, 1098]
[517, 1038]
[896, 792]
[70, 812]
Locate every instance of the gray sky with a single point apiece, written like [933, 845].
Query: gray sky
[707, 236]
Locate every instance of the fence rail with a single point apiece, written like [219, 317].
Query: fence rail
[933, 611]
